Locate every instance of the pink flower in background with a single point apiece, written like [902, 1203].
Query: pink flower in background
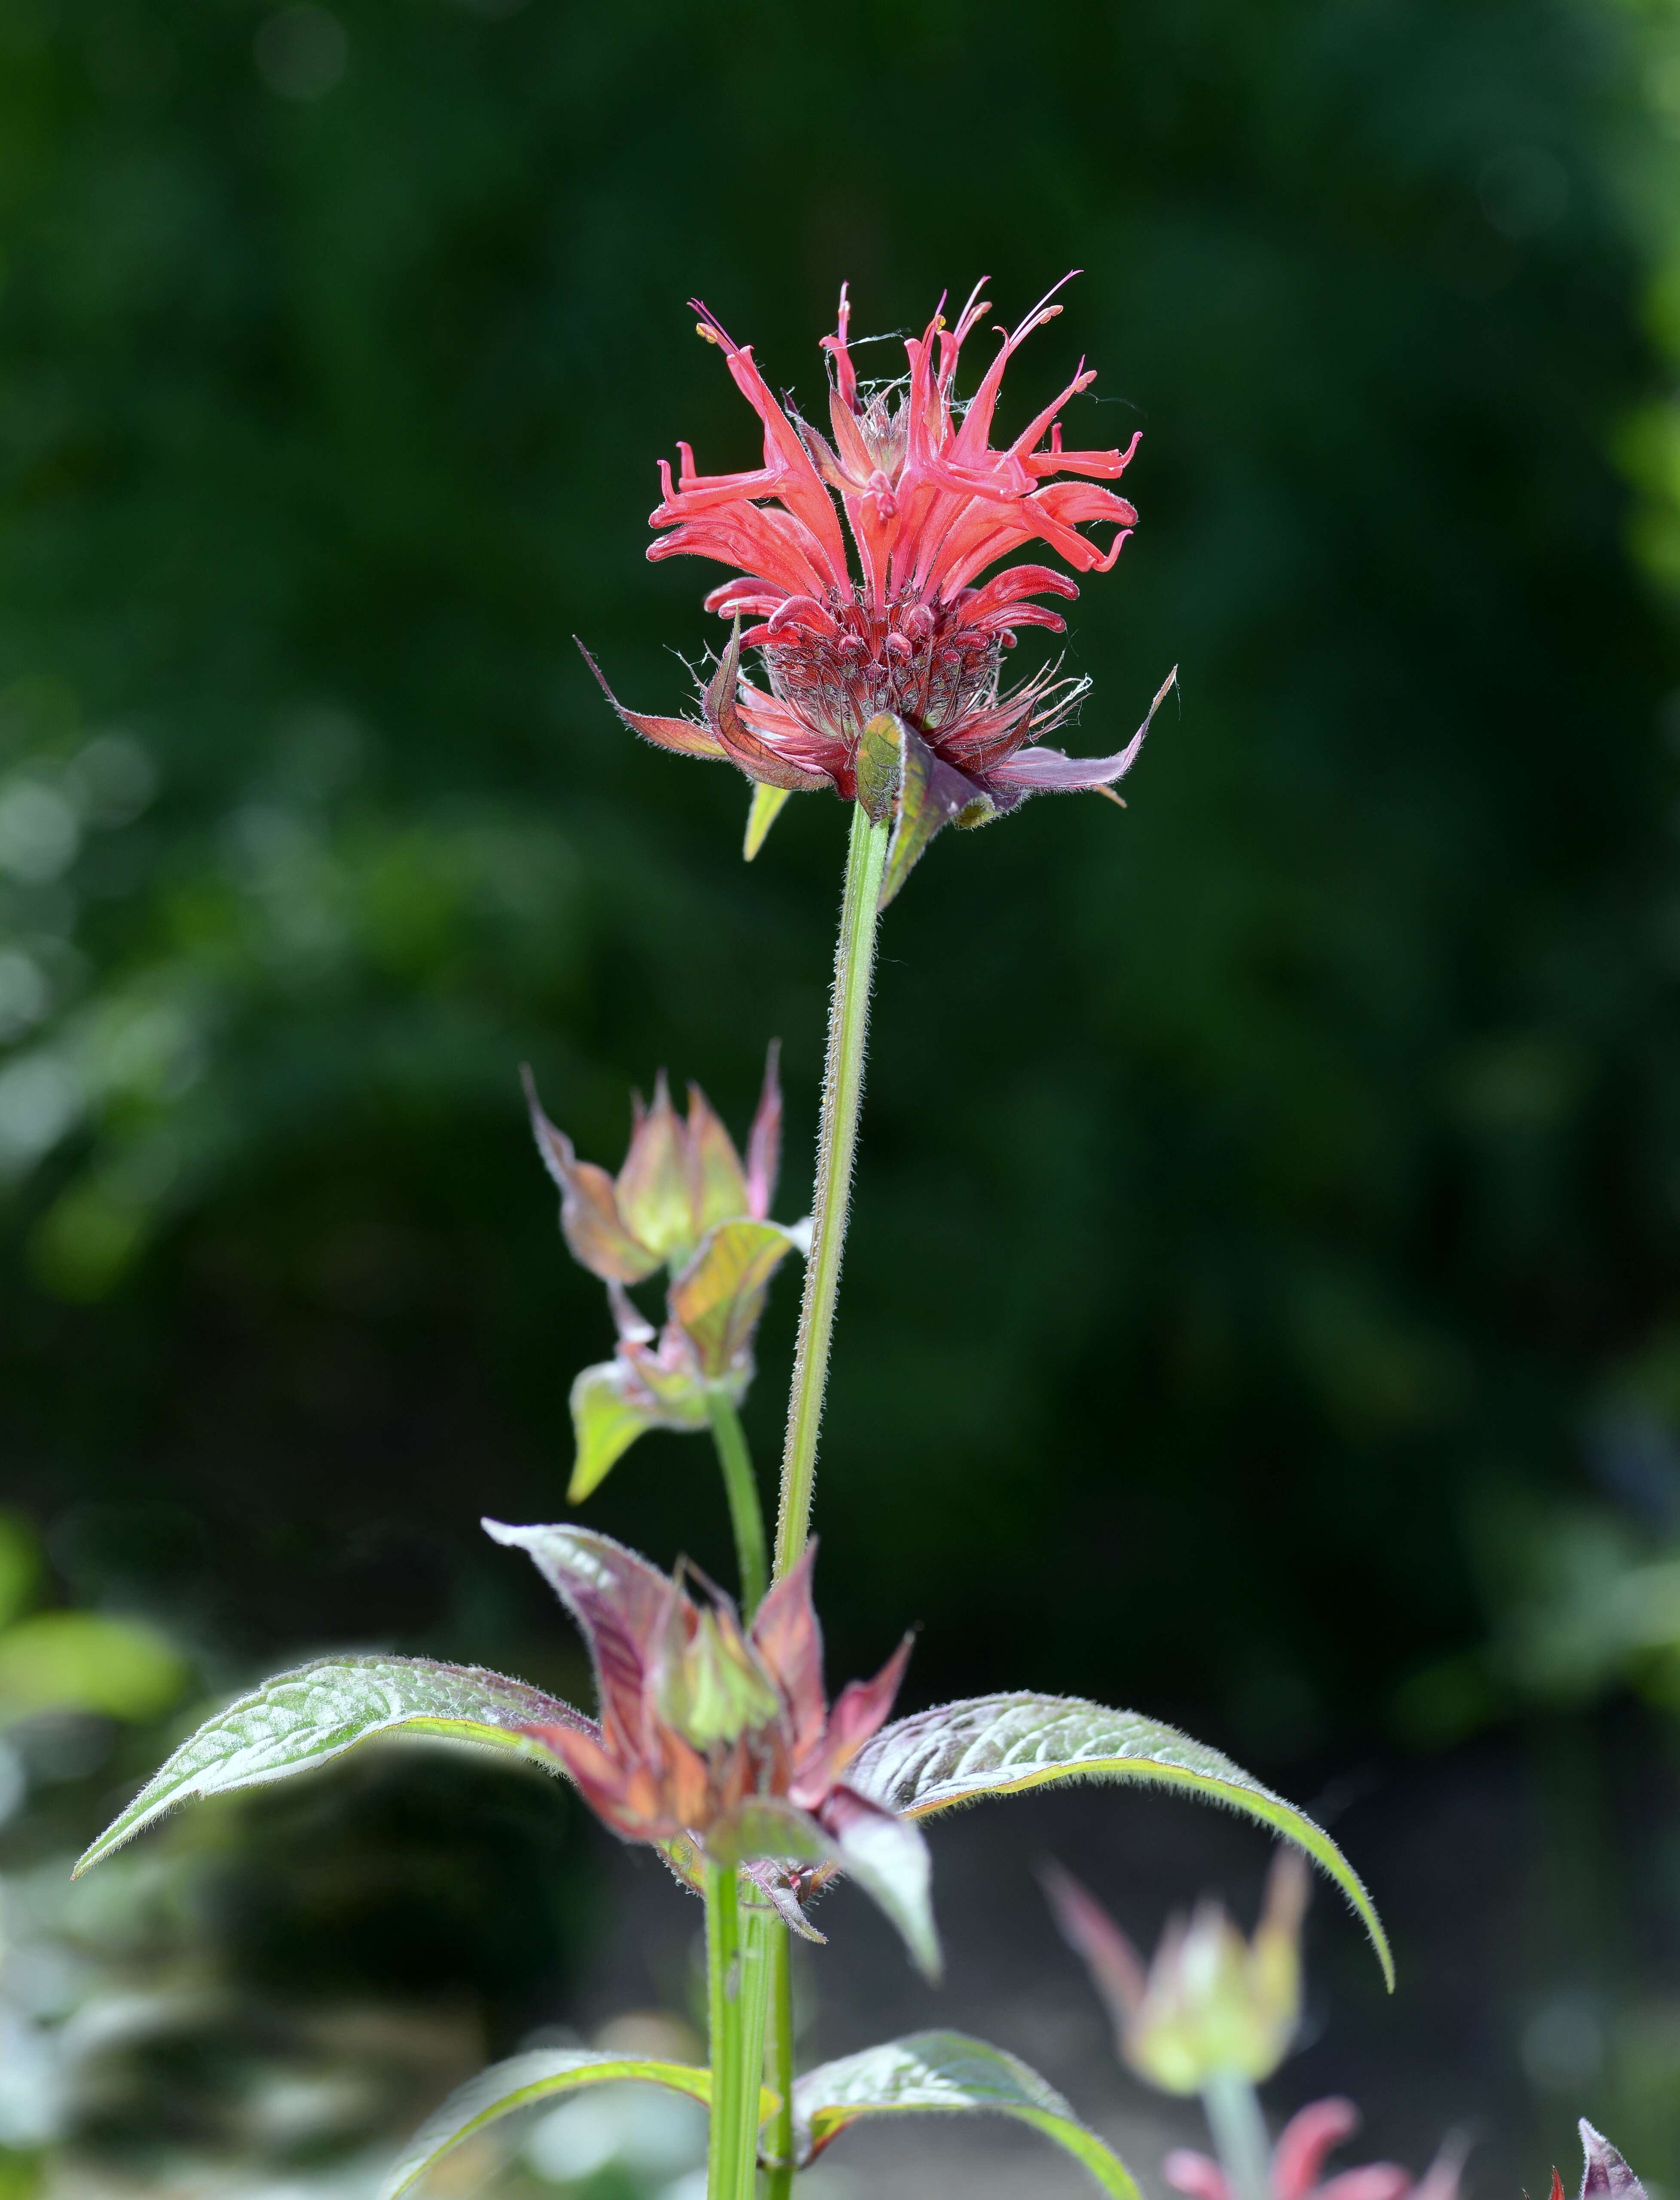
[912, 630]
[1297, 2165]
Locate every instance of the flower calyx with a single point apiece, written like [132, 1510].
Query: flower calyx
[684, 1200]
[1210, 2002]
[722, 1737]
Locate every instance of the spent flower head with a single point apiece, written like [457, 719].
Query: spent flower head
[902, 628]
[1298, 2160]
[684, 1200]
[1210, 2002]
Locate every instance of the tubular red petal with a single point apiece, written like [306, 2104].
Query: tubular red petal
[1202, 2178]
[1305, 2142]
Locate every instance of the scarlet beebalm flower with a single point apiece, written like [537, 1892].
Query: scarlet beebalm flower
[684, 1200]
[912, 636]
[1210, 2001]
[1298, 2164]
[723, 1739]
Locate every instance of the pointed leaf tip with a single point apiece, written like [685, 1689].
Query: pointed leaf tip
[302, 1719]
[1002, 1744]
[1605, 2175]
[765, 809]
[521, 2080]
[945, 2074]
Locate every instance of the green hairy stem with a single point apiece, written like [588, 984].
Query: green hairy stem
[779, 2065]
[836, 1143]
[746, 1514]
[735, 1966]
[1237, 2124]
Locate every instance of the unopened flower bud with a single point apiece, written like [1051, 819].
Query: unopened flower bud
[710, 1688]
[1210, 2002]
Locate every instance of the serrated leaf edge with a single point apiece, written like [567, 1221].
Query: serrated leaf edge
[1050, 2114]
[522, 2079]
[161, 1794]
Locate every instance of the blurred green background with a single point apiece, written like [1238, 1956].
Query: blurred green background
[1264, 1302]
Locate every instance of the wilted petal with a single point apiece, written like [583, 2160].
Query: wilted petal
[763, 1142]
[720, 1296]
[1606, 2176]
[1305, 2142]
[888, 1858]
[589, 1214]
[655, 1193]
[1116, 1967]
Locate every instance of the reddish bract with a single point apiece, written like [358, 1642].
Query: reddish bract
[698, 1719]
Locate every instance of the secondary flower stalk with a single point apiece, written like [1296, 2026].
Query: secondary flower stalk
[685, 1200]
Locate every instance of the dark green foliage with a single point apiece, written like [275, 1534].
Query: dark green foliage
[1245, 1178]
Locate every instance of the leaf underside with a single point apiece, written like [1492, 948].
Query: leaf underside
[1002, 1744]
[302, 1719]
[524, 2080]
[945, 2073]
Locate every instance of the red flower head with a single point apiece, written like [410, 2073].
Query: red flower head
[914, 634]
[724, 1739]
[1297, 2165]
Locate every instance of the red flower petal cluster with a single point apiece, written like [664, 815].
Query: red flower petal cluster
[1297, 2165]
[929, 505]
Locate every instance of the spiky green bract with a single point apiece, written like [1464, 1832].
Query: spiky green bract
[1002, 1745]
[945, 2073]
[524, 2080]
[302, 1719]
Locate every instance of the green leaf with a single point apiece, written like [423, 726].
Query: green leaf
[944, 2073]
[720, 1295]
[299, 1720]
[525, 2079]
[1002, 1745]
[87, 1661]
[767, 803]
[611, 1407]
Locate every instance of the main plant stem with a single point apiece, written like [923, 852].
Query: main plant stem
[779, 2065]
[746, 1514]
[735, 1966]
[1237, 2124]
[836, 1143]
